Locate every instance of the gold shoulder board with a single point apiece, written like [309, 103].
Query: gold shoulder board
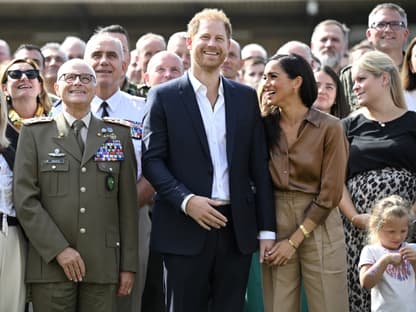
[36, 120]
[118, 121]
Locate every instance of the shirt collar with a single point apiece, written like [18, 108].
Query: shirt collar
[70, 119]
[314, 117]
[112, 101]
[198, 86]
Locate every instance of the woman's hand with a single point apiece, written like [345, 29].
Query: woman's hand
[361, 220]
[280, 254]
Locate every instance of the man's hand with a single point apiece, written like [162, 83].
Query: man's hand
[265, 246]
[145, 192]
[126, 283]
[70, 260]
[201, 210]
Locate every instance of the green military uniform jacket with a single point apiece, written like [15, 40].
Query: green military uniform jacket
[62, 199]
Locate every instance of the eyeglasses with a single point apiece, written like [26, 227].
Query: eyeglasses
[395, 26]
[71, 78]
[17, 73]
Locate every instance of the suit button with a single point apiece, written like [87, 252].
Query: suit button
[118, 244]
[83, 169]
[53, 167]
[82, 210]
[83, 189]
[82, 230]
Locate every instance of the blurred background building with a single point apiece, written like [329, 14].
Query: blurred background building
[268, 22]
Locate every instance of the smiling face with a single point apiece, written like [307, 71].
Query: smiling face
[387, 39]
[209, 45]
[394, 232]
[278, 88]
[75, 94]
[367, 87]
[104, 54]
[23, 87]
[163, 67]
[327, 91]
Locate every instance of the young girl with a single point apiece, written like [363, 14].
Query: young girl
[387, 265]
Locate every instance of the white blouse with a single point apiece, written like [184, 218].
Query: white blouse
[6, 184]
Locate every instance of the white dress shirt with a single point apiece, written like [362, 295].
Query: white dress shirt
[6, 201]
[125, 106]
[213, 118]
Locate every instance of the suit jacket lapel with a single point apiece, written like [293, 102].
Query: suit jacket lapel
[94, 138]
[66, 137]
[188, 97]
[231, 114]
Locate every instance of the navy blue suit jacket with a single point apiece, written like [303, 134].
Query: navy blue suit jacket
[177, 162]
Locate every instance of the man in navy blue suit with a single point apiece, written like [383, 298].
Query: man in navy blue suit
[204, 152]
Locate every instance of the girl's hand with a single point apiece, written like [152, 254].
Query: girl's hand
[408, 253]
[281, 253]
[361, 221]
[394, 258]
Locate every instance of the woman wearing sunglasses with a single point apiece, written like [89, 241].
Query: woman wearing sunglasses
[25, 95]
[12, 243]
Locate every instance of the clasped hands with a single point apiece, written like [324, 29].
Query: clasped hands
[279, 253]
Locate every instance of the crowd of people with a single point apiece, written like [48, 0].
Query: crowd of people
[193, 174]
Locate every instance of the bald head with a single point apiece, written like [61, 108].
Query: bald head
[76, 87]
[74, 47]
[162, 67]
[75, 63]
[253, 50]
[177, 45]
[297, 47]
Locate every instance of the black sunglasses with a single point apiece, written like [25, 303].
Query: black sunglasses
[17, 73]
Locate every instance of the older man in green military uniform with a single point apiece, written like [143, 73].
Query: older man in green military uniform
[75, 196]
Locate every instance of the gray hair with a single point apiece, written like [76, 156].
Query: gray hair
[387, 6]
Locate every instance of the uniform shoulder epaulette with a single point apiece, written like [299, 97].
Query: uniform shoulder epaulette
[36, 120]
[118, 121]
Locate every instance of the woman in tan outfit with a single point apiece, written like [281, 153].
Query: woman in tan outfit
[308, 155]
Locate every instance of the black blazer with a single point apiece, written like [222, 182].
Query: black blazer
[177, 162]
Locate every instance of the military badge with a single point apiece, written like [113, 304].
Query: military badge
[56, 153]
[111, 150]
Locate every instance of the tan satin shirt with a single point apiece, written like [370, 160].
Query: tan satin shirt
[314, 164]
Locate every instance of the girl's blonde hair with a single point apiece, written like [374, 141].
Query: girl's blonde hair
[385, 209]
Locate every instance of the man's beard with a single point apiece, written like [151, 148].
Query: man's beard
[330, 60]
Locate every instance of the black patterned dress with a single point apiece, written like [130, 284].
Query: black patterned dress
[382, 162]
